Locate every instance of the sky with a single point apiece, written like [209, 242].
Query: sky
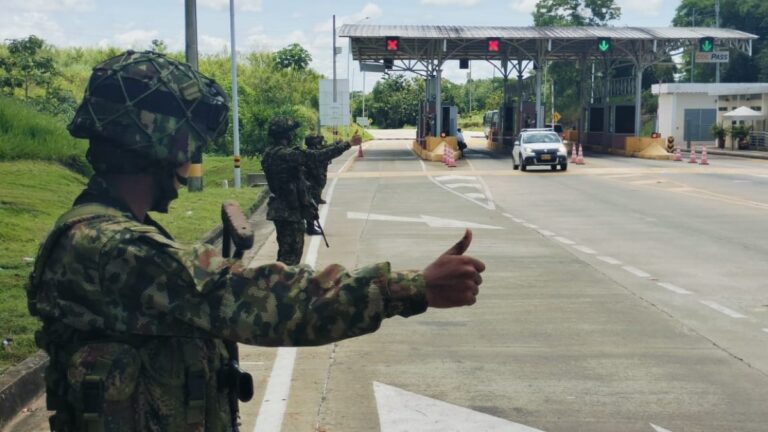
[268, 25]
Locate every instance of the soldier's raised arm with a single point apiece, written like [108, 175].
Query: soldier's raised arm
[278, 305]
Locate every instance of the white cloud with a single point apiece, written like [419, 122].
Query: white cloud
[642, 7]
[368, 12]
[524, 6]
[244, 5]
[451, 2]
[31, 23]
[213, 45]
[48, 5]
[134, 39]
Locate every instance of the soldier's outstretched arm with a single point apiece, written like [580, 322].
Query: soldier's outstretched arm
[328, 153]
[277, 305]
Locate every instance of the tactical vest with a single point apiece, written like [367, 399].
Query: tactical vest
[97, 381]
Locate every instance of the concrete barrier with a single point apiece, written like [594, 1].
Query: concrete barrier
[20, 384]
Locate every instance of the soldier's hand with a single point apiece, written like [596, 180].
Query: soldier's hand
[453, 279]
[356, 140]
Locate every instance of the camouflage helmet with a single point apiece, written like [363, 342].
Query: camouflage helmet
[314, 141]
[282, 126]
[144, 109]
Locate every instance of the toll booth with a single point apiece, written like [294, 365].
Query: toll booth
[450, 120]
[507, 118]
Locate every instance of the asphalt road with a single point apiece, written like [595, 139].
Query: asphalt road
[621, 295]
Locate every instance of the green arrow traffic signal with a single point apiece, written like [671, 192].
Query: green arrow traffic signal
[706, 44]
[604, 44]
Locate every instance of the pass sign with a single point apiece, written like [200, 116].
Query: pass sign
[713, 57]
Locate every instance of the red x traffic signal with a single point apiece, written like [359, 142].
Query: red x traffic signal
[393, 43]
[494, 44]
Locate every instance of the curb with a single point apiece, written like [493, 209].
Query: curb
[22, 383]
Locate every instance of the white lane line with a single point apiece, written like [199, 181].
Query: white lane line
[508, 215]
[636, 271]
[722, 309]
[609, 260]
[275, 401]
[673, 288]
[546, 233]
[564, 240]
[531, 226]
[458, 185]
[455, 177]
[585, 249]
[518, 220]
[475, 195]
[765, 330]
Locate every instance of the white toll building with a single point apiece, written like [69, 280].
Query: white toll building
[688, 111]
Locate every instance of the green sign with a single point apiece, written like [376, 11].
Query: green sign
[706, 44]
[604, 45]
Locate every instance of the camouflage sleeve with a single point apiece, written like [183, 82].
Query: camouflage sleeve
[328, 153]
[271, 305]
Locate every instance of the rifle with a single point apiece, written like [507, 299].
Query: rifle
[238, 231]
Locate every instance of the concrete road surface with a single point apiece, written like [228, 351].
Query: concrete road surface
[621, 295]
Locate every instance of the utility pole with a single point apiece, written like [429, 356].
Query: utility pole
[190, 13]
[693, 46]
[235, 120]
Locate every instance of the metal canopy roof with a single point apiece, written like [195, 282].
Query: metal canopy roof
[440, 43]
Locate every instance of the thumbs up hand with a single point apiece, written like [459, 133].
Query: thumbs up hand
[453, 279]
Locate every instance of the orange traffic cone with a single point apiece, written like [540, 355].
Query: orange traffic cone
[692, 159]
[573, 153]
[580, 157]
[704, 160]
[678, 156]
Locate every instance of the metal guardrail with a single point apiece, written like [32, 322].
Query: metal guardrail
[758, 140]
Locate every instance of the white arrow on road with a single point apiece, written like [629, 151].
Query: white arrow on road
[432, 221]
[659, 428]
[403, 411]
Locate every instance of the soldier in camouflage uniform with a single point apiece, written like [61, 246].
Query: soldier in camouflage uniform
[290, 201]
[135, 324]
[316, 170]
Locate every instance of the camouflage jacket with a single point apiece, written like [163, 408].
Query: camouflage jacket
[110, 278]
[318, 160]
[283, 166]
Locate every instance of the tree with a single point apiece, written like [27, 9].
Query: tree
[159, 45]
[750, 16]
[26, 65]
[395, 100]
[575, 12]
[294, 56]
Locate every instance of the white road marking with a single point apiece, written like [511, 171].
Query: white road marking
[659, 428]
[722, 309]
[508, 215]
[403, 411]
[475, 195]
[458, 185]
[546, 233]
[431, 221]
[765, 330]
[609, 260]
[275, 401]
[565, 240]
[742, 181]
[529, 225]
[518, 220]
[636, 271]
[454, 177]
[585, 249]
[673, 288]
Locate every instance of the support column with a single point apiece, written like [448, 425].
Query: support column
[195, 175]
[638, 96]
[504, 95]
[438, 102]
[539, 119]
[519, 96]
[607, 104]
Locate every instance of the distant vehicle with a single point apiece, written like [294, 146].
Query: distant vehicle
[539, 147]
[490, 122]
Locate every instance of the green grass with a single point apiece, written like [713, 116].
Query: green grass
[32, 195]
[28, 135]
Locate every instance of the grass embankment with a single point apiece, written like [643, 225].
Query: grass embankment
[33, 193]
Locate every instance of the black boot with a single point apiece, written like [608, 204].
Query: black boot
[312, 229]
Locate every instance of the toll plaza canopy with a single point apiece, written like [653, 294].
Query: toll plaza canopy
[423, 49]
[421, 42]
